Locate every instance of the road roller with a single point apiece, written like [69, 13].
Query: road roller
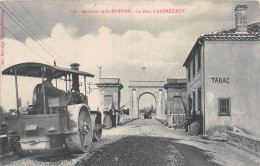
[56, 117]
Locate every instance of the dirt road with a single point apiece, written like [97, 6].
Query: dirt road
[144, 142]
[146, 149]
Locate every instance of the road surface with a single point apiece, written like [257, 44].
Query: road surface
[146, 147]
[142, 142]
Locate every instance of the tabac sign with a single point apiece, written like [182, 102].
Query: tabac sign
[220, 80]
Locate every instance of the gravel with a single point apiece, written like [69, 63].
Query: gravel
[144, 141]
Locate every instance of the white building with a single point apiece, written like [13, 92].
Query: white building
[223, 76]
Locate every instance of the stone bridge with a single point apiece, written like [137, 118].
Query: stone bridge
[155, 88]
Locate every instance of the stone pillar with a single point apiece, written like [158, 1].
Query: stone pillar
[135, 109]
[169, 118]
[101, 103]
[178, 105]
[159, 104]
[174, 87]
[101, 99]
[164, 100]
[109, 93]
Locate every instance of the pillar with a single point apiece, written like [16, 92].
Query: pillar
[169, 117]
[135, 104]
[109, 93]
[159, 104]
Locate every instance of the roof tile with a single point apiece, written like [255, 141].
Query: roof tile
[231, 34]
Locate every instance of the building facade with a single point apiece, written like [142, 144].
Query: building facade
[109, 93]
[176, 95]
[222, 79]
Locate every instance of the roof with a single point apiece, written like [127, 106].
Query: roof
[32, 69]
[229, 34]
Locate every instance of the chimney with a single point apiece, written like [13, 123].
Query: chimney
[241, 18]
[75, 77]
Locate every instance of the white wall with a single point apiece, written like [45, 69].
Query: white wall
[238, 61]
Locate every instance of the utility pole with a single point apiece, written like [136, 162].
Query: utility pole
[100, 68]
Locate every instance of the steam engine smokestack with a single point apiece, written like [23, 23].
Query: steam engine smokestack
[74, 66]
[75, 77]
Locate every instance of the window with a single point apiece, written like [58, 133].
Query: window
[190, 104]
[199, 99]
[194, 103]
[193, 66]
[188, 73]
[224, 106]
[199, 59]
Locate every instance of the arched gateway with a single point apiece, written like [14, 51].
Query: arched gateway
[155, 88]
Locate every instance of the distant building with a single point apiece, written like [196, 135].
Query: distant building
[176, 93]
[109, 93]
[223, 76]
[176, 101]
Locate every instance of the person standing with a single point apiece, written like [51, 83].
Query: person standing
[107, 119]
[113, 111]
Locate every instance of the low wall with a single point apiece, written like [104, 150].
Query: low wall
[127, 118]
[162, 119]
[244, 141]
[178, 120]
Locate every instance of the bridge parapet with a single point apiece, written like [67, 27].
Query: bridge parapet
[162, 119]
[127, 118]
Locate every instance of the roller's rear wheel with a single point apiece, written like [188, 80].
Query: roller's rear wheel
[80, 142]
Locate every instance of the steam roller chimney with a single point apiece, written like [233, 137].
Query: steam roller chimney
[75, 77]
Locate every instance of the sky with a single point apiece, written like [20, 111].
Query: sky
[129, 46]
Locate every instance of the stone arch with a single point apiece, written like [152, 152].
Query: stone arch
[156, 88]
[141, 94]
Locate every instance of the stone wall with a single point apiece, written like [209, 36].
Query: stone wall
[244, 141]
[162, 119]
[127, 118]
